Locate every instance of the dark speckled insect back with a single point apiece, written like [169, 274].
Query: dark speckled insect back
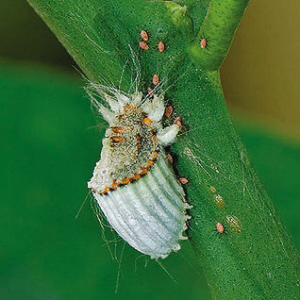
[133, 143]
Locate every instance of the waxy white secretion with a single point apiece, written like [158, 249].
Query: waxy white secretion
[133, 182]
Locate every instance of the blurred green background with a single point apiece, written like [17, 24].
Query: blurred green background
[51, 141]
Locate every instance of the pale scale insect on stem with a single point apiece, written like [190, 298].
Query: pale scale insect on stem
[150, 217]
[219, 201]
[234, 223]
[213, 189]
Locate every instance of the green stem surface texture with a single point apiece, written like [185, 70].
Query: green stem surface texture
[254, 258]
[218, 28]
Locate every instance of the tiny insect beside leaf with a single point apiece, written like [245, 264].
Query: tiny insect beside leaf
[219, 201]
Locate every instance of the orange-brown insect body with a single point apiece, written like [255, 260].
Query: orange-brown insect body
[203, 43]
[155, 79]
[220, 228]
[177, 121]
[169, 111]
[161, 46]
[183, 180]
[143, 45]
[144, 36]
[147, 121]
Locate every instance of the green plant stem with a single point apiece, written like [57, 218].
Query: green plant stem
[254, 258]
[218, 28]
[77, 25]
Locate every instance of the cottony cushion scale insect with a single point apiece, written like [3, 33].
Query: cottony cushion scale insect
[133, 182]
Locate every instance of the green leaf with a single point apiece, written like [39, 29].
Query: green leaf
[255, 259]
